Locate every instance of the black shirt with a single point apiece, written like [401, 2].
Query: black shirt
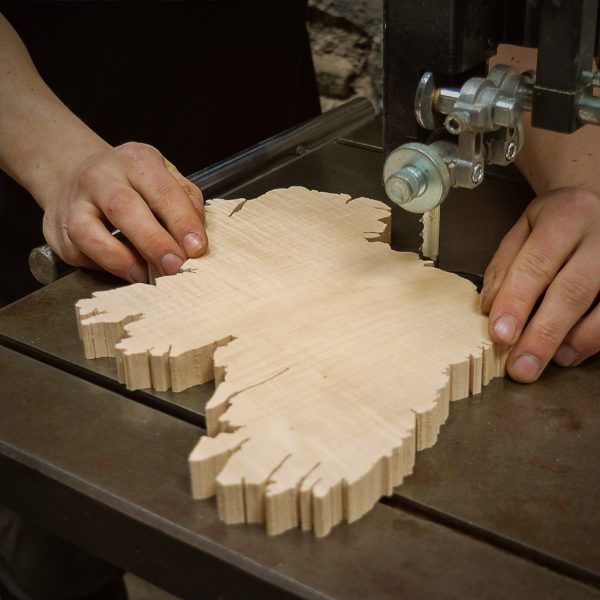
[198, 80]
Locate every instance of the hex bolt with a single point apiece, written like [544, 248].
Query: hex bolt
[406, 184]
[505, 112]
[511, 151]
[454, 124]
[477, 174]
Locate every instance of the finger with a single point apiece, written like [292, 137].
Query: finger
[166, 197]
[569, 296]
[88, 234]
[496, 270]
[581, 342]
[128, 211]
[191, 189]
[535, 266]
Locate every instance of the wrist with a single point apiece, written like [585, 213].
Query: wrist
[551, 160]
[54, 170]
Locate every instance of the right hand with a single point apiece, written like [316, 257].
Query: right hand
[135, 189]
[541, 287]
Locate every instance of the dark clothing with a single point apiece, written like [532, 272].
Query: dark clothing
[198, 80]
[37, 565]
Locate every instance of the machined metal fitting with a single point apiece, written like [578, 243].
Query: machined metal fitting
[417, 177]
[405, 185]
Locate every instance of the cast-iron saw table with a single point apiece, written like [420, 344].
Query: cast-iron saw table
[506, 504]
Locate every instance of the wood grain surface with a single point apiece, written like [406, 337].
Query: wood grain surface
[335, 358]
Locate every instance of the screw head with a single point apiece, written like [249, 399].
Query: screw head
[454, 124]
[477, 174]
[511, 151]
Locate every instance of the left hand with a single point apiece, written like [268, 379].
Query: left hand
[552, 254]
[134, 188]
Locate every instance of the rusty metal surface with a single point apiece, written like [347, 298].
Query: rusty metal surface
[523, 462]
[44, 325]
[111, 475]
[517, 466]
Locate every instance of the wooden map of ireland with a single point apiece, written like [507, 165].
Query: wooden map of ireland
[334, 357]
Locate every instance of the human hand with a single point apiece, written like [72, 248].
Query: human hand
[552, 254]
[135, 189]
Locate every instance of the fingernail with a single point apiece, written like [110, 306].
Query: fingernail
[526, 368]
[192, 244]
[138, 274]
[171, 264]
[565, 356]
[505, 328]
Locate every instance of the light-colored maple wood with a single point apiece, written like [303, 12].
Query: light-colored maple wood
[335, 358]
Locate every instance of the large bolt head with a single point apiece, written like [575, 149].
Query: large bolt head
[416, 176]
[398, 189]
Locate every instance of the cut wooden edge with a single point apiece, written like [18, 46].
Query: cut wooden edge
[100, 337]
[208, 459]
[161, 370]
[317, 500]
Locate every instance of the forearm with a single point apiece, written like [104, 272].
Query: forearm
[41, 140]
[552, 160]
